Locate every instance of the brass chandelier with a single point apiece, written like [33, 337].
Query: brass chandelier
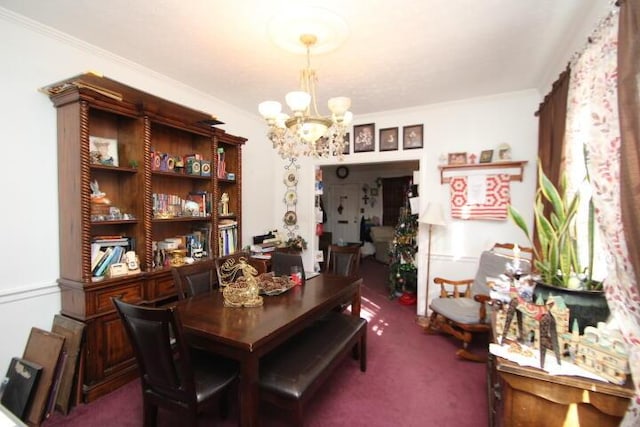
[306, 132]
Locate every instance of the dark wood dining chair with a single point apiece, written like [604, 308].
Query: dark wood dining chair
[172, 375]
[193, 279]
[281, 263]
[343, 260]
[225, 267]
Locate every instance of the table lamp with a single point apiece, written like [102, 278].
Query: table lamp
[432, 215]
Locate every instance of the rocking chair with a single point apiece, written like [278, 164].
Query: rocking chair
[462, 309]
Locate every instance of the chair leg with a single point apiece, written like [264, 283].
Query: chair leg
[464, 352]
[431, 327]
[363, 352]
[299, 417]
[150, 414]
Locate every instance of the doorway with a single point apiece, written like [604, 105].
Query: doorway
[366, 196]
[344, 219]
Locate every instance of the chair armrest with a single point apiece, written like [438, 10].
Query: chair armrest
[461, 288]
[483, 300]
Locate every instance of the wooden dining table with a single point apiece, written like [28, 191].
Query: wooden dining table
[246, 334]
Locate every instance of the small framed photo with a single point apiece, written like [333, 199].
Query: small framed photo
[373, 191]
[457, 158]
[364, 138]
[388, 139]
[103, 151]
[486, 156]
[412, 137]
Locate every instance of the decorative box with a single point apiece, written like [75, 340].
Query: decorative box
[205, 167]
[192, 166]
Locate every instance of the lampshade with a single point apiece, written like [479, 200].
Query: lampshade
[339, 105]
[298, 100]
[269, 109]
[432, 215]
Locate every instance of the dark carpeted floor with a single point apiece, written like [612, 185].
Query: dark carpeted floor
[413, 379]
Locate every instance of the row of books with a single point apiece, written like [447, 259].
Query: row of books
[174, 205]
[228, 237]
[104, 258]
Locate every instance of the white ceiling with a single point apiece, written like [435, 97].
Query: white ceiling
[398, 54]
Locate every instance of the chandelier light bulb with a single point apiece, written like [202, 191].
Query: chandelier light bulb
[339, 105]
[298, 101]
[270, 109]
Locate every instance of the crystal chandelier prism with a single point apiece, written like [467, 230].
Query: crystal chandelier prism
[306, 132]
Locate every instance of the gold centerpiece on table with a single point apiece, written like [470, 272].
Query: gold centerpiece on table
[244, 292]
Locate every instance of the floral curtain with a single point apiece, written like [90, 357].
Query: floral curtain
[592, 122]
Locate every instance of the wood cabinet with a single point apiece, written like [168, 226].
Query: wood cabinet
[525, 396]
[141, 126]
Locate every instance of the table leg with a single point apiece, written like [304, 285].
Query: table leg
[355, 303]
[249, 391]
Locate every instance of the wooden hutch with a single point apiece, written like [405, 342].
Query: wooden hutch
[87, 106]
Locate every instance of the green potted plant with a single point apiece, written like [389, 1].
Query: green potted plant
[296, 243]
[556, 259]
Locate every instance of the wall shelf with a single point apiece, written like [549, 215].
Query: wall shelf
[515, 169]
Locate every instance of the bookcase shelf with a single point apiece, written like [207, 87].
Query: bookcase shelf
[182, 219]
[140, 128]
[181, 175]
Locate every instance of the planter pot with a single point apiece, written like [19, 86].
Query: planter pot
[408, 298]
[588, 307]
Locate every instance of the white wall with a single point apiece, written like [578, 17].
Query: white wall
[470, 126]
[32, 57]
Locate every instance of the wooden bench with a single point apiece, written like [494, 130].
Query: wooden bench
[295, 370]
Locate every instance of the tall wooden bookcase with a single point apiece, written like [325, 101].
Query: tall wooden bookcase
[142, 124]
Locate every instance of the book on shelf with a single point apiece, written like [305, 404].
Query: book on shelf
[96, 258]
[105, 255]
[114, 257]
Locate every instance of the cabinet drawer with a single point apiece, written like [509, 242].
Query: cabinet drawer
[160, 287]
[131, 293]
[165, 287]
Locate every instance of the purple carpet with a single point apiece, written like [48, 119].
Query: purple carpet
[412, 379]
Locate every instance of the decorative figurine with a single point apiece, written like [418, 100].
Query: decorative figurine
[224, 204]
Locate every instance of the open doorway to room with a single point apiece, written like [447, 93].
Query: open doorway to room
[359, 196]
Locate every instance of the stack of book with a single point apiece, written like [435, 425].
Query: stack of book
[228, 237]
[108, 250]
[263, 250]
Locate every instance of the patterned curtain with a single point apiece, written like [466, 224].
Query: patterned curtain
[592, 122]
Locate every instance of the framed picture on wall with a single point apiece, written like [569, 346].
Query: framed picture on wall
[486, 156]
[364, 136]
[412, 137]
[457, 158]
[389, 139]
